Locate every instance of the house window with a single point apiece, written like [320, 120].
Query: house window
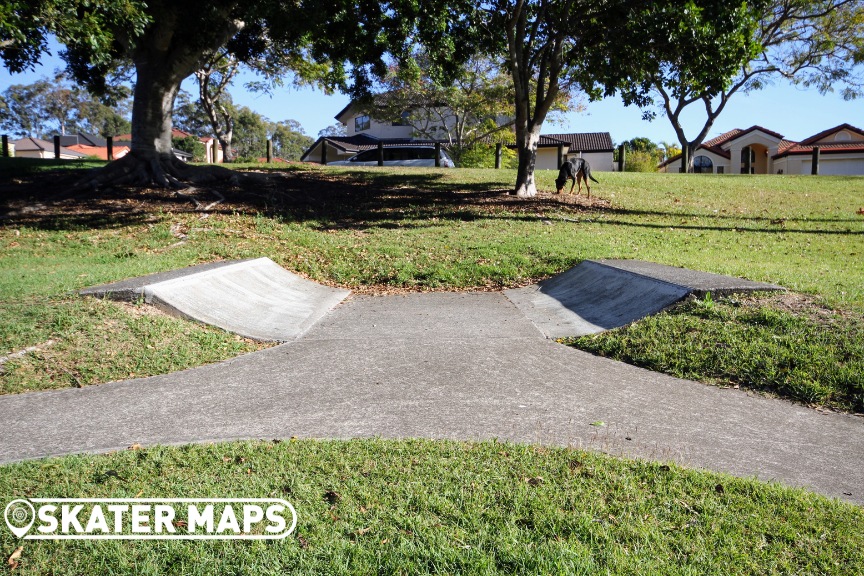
[362, 123]
[703, 165]
[404, 120]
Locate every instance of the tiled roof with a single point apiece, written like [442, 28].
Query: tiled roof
[100, 151]
[175, 133]
[761, 129]
[82, 139]
[582, 141]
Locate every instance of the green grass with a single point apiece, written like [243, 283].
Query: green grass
[90, 341]
[11, 168]
[423, 507]
[812, 358]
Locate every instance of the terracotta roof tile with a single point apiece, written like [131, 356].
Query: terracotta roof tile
[583, 141]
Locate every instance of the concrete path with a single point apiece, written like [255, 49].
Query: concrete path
[461, 366]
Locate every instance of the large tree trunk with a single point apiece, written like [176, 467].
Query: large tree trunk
[164, 58]
[527, 139]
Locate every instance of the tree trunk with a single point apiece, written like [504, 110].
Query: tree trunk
[527, 139]
[162, 61]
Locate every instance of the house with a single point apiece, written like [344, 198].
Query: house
[38, 148]
[364, 133]
[100, 152]
[595, 147]
[91, 145]
[212, 150]
[758, 150]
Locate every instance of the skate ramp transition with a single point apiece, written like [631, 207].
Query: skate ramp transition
[600, 295]
[259, 299]
[254, 298]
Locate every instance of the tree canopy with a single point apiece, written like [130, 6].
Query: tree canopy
[56, 105]
[814, 43]
[166, 41]
[603, 46]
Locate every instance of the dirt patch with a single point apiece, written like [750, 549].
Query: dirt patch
[803, 305]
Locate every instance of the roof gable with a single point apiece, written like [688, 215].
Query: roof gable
[825, 135]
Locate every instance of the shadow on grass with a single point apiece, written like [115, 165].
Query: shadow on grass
[355, 199]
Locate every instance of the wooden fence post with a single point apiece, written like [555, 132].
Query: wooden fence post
[814, 162]
[269, 150]
[109, 143]
[560, 155]
[5, 146]
[56, 147]
[380, 153]
[622, 157]
[324, 152]
[498, 156]
[437, 154]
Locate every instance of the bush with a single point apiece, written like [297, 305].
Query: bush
[483, 156]
[638, 161]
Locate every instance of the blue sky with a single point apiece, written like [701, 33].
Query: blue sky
[791, 111]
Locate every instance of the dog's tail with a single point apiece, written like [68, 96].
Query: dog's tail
[587, 170]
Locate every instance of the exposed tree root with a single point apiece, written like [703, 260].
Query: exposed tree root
[154, 170]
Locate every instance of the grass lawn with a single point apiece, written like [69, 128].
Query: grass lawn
[424, 507]
[441, 507]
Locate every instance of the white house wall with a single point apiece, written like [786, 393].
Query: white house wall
[600, 161]
[829, 165]
[379, 129]
[547, 159]
[840, 165]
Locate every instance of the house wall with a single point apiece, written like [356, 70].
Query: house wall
[380, 129]
[829, 165]
[33, 154]
[600, 161]
[44, 154]
[675, 167]
[547, 159]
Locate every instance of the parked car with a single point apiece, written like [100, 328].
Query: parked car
[398, 156]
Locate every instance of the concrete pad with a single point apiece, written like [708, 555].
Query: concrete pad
[699, 283]
[430, 316]
[600, 295]
[254, 298]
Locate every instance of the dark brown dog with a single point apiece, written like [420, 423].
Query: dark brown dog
[576, 169]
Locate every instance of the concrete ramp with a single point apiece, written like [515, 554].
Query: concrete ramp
[254, 298]
[600, 295]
